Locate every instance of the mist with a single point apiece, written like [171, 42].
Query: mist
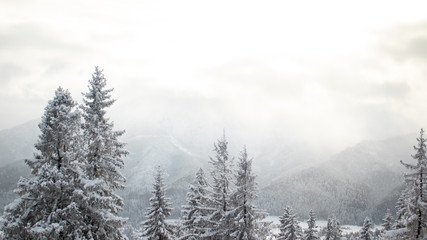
[327, 97]
[264, 72]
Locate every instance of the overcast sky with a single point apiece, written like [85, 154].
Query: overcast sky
[334, 71]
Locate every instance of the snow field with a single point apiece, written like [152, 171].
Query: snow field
[275, 224]
[319, 224]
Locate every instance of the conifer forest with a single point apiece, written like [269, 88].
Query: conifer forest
[72, 191]
[213, 120]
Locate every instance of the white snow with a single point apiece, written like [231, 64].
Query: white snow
[179, 146]
[395, 233]
[275, 224]
[319, 224]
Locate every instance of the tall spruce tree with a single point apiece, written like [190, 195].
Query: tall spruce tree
[413, 211]
[155, 227]
[195, 213]
[104, 155]
[333, 229]
[366, 232]
[329, 229]
[246, 215]
[220, 218]
[311, 232]
[289, 226]
[338, 230]
[401, 212]
[387, 221]
[49, 204]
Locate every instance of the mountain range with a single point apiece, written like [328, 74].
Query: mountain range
[362, 180]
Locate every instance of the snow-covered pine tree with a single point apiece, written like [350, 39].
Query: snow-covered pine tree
[104, 155]
[338, 230]
[333, 229]
[155, 226]
[220, 219]
[289, 226]
[387, 221]
[400, 222]
[246, 215]
[398, 229]
[366, 232]
[329, 229]
[49, 205]
[311, 232]
[414, 212]
[195, 213]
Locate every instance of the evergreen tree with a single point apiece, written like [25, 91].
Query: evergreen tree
[155, 227]
[49, 204]
[387, 221]
[399, 228]
[338, 230]
[195, 213]
[289, 226]
[333, 229]
[311, 232]
[220, 219]
[413, 209]
[366, 233]
[329, 230]
[401, 213]
[103, 153]
[246, 216]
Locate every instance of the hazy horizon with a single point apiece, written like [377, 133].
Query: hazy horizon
[329, 73]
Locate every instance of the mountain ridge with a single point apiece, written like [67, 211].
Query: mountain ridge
[352, 184]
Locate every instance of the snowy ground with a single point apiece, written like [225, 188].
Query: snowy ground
[320, 224]
[275, 224]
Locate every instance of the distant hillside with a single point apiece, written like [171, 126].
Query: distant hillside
[9, 176]
[360, 181]
[147, 152]
[18, 143]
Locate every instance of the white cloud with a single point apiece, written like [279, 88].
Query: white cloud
[328, 69]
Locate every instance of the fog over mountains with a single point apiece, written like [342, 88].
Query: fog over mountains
[359, 181]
